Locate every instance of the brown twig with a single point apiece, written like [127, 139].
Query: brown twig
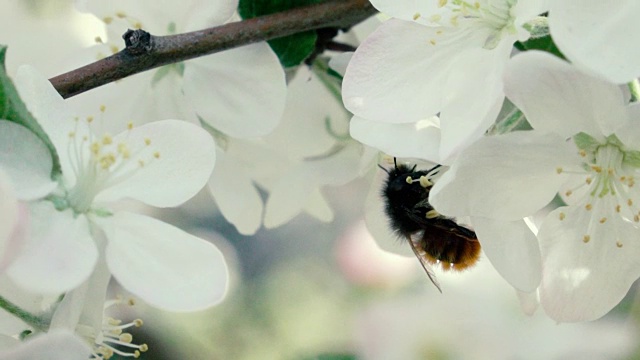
[145, 51]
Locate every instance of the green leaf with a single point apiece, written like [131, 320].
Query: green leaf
[544, 43]
[291, 50]
[12, 108]
[586, 142]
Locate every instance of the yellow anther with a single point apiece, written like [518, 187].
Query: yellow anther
[425, 182]
[126, 337]
[72, 134]
[107, 139]
[582, 153]
[138, 322]
[156, 155]
[409, 180]
[596, 168]
[107, 20]
[432, 214]
[588, 207]
[603, 220]
[141, 163]
[121, 14]
[636, 218]
[137, 25]
[618, 244]
[103, 108]
[107, 160]
[630, 202]
[113, 48]
[144, 347]
[432, 41]
[618, 208]
[147, 141]
[588, 180]
[98, 40]
[416, 16]
[568, 193]
[435, 18]
[89, 119]
[610, 171]
[442, 3]
[559, 170]
[562, 216]
[129, 125]
[95, 148]
[586, 238]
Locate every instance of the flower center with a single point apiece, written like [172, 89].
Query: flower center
[100, 162]
[608, 186]
[112, 339]
[494, 16]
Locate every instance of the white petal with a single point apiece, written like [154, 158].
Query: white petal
[401, 140]
[236, 195]
[185, 162]
[48, 107]
[513, 251]
[378, 222]
[398, 81]
[529, 301]
[26, 160]
[163, 265]
[504, 177]
[9, 221]
[583, 281]
[405, 10]
[240, 92]
[55, 345]
[556, 97]
[317, 206]
[60, 254]
[596, 35]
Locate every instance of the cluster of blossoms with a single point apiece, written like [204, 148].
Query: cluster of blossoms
[453, 59]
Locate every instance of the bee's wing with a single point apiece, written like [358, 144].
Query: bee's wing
[427, 268]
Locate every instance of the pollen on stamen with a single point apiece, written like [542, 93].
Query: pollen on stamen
[596, 168]
[107, 139]
[630, 202]
[416, 16]
[588, 207]
[582, 153]
[89, 119]
[618, 207]
[603, 220]
[129, 125]
[425, 182]
[586, 239]
[636, 218]
[562, 216]
[432, 41]
[618, 244]
[147, 141]
[568, 193]
[559, 170]
[156, 155]
[103, 108]
[432, 214]
[588, 180]
[72, 134]
[121, 14]
[107, 20]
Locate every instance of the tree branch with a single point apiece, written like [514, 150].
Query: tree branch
[145, 51]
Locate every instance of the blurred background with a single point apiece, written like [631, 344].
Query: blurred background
[314, 290]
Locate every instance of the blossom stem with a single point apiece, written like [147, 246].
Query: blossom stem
[145, 51]
[634, 88]
[32, 320]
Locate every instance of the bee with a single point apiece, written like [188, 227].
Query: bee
[435, 239]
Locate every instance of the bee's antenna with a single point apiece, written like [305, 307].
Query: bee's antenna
[383, 169]
[395, 163]
[433, 168]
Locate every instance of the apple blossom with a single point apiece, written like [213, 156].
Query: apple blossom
[161, 164]
[433, 58]
[584, 145]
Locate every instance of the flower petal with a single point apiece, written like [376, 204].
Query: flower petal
[26, 160]
[163, 265]
[55, 345]
[504, 177]
[236, 195]
[410, 140]
[240, 92]
[48, 107]
[513, 251]
[583, 281]
[556, 97]
[186, 156]
[595, 35]
[398, 81]
[9, 221]
[59, 255]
